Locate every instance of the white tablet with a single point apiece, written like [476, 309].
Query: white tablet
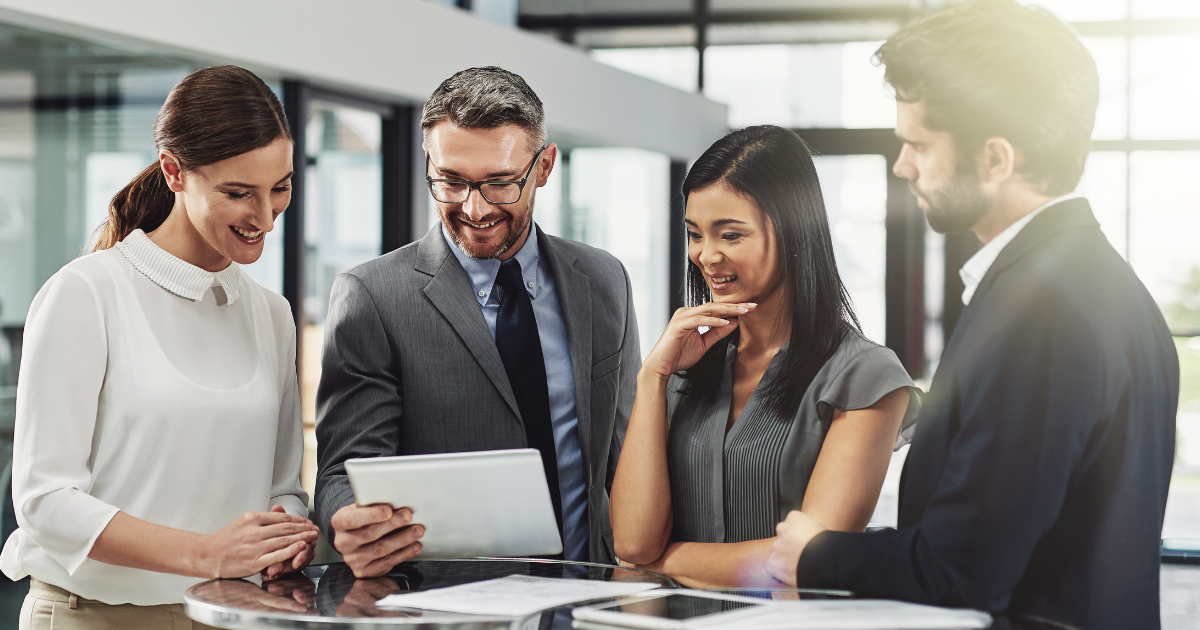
[487, 503]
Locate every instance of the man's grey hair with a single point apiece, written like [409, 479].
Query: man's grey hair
[486, 98]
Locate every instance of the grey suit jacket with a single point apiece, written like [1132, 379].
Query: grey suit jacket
[409, 367]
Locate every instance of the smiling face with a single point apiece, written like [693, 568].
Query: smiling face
[481, 229]
[232, 204]
[734, 245]
[947, 186]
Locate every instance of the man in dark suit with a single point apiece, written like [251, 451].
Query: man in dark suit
[1037, 479]
[485, 334]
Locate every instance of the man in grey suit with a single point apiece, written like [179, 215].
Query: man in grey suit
[485, 334]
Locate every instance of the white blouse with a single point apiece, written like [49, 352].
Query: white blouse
[153, 387]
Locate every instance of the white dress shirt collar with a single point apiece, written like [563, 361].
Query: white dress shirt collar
[173, 274]
[976, 268]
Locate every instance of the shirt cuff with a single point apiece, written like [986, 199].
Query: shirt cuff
[72, 561]
[291, 504]
[817, 567]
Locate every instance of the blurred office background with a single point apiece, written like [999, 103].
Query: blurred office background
[634, 90]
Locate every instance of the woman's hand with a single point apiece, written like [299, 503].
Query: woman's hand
[681, 344]
[255, 541]
[296, 588]
[293, 564]
[280, 595]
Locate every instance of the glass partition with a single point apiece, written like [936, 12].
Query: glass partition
[76, 124]
[855, 190]
[619, 203]
[342, 228]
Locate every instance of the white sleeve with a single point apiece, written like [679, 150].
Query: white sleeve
[63, 364]
[289, 444]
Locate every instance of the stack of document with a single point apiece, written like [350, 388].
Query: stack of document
[512, 596]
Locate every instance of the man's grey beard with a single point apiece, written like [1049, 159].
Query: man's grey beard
[510, 238]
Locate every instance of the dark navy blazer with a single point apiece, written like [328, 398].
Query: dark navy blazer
[1038, 475]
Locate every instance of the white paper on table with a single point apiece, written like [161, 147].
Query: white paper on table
[859, 614]
[512, 596]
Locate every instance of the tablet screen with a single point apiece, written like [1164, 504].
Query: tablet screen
[679, 606]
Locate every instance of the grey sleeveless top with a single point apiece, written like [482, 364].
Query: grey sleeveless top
[736, 487]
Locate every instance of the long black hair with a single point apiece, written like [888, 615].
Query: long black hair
[773, 167]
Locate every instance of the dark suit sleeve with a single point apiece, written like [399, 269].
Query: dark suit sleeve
[358, 399]
[1029, 397]
[631, 362]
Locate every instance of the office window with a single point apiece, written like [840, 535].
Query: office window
[1086, 10]
[550, 205]
[1183, 505]
[76, 124]
[342, 228]
[1164, 244]
[1104, 185]
[855, 191]
[674, 66]
[1164, 250]
[619, 203]
[1112, 64]
[1143, 198]
[800, 86]
[1164, 9]
[935, 303]
[1165, 84]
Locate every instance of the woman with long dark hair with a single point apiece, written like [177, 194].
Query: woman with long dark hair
[158, 435]
[762, 396]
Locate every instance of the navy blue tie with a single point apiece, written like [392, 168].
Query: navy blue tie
[521, 351]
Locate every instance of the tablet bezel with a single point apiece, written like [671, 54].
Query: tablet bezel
[500, 508]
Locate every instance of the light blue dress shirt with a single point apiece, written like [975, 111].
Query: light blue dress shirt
[560, 380]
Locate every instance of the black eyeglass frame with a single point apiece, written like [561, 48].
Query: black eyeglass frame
[479, 185]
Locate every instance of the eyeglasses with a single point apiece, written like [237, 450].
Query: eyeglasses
[493, 192]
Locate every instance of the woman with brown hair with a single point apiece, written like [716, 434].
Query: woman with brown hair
[158, 424]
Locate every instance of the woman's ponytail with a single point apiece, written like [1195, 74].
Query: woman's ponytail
[211, 115]
[143, 203]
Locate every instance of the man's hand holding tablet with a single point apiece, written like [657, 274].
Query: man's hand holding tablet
[374, 538]
[467, 504]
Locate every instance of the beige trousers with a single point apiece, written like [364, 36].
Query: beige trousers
[48, 607]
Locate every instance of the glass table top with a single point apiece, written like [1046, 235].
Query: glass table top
[326, 597]
[329, 596]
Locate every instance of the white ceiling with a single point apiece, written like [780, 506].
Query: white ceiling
[634, 7]
[395, 56]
